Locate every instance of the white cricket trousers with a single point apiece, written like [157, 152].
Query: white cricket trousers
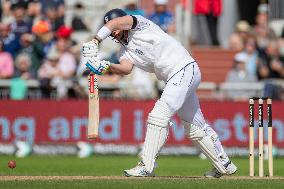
[180, 94]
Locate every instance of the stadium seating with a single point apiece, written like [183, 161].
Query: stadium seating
[214, 63]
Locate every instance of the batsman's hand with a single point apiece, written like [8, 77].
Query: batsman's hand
[96, 65]
[91, 48]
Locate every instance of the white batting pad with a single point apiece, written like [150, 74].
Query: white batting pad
[223, 157]
[206, 139]
[154, 141]
[156, 134]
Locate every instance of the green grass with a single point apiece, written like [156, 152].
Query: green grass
[113, 166]
[146, 183]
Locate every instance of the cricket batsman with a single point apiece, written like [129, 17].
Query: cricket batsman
[148, 47]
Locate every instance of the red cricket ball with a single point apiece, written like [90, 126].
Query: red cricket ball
[12, 164]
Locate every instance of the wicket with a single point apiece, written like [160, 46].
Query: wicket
[260, 135]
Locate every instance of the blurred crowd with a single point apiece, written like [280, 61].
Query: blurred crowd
[36, 43]
[260, 54]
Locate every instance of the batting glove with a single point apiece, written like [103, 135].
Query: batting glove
[91, 48]
[97, 66]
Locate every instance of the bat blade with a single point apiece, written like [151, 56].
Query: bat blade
[94, 107]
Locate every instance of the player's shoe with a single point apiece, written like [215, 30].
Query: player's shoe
[214, 173]
[138, 171]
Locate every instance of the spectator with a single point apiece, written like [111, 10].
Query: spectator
[250, 50]
[237, 39]
[132, 9]
[64, 33]
[47, 72]
[20, 25]
[44, 38]
[261, 29]
[271, 64]
[6, 64]
[66, 68]
[162, 17]
[7, 16]
[239, 74]
[51, 15]
[271, 70]
[211, 9]
[18, 87]
[36, 55]
[34, 11]
[243, 29]
[10, 41]
[23, 66]
[77, 23]
[67, 62]
[59, 5]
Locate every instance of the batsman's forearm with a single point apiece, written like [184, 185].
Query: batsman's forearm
[123, 68]
[121, 23]
[116, 69]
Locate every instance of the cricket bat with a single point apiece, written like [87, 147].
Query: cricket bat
[94, 108]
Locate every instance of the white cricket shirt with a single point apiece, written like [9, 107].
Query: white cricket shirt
[153, 50]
